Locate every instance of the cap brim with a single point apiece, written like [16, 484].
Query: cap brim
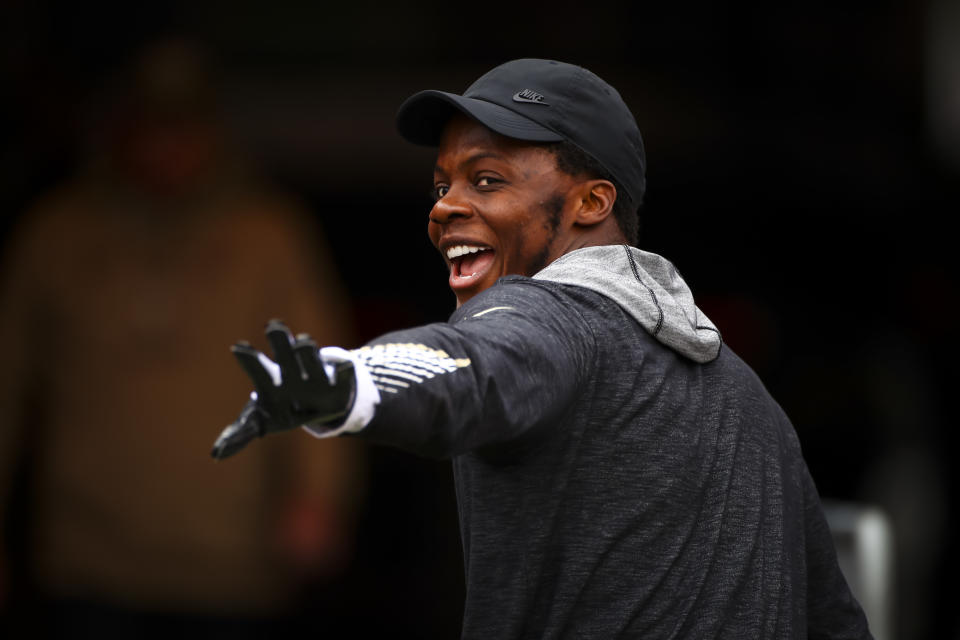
[422, 117]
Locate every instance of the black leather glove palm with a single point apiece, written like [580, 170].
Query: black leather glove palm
[293, 391]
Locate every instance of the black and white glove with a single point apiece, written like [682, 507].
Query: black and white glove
[300, 388]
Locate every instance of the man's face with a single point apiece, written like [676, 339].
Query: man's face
[500, 207]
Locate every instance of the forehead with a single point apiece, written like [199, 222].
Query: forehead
[465, 138]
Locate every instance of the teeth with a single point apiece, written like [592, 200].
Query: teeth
[463, 249]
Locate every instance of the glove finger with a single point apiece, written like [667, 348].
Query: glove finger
[249, 359]
[235, 437]
[282, 343]
[308, 356]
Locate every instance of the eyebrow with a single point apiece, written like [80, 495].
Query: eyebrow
[477, 156]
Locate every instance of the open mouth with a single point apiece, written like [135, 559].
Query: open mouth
[468, 263]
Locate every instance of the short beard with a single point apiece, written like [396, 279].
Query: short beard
[553, 207]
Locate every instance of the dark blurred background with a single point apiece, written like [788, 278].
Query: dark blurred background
[804, 163]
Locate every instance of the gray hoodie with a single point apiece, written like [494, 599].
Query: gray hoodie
[649, 288]
[619, 473]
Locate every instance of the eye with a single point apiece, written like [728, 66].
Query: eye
[487, 181]
[440, 190]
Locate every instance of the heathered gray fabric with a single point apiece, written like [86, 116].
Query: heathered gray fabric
[649, 287]
[609, 487]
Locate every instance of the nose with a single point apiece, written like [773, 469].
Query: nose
[449, 208]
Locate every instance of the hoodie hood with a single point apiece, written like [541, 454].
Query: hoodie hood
[649, 288]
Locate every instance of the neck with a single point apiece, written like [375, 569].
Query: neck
[596, 236]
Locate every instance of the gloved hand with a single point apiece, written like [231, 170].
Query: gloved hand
[298, 389]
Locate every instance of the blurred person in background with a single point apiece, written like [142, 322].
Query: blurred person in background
[119, 290]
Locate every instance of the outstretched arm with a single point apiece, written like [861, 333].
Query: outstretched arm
[504, 369]
[506, 366]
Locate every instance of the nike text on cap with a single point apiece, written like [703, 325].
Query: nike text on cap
[540, 101]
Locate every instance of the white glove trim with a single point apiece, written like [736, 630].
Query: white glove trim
[367, 396]
[272, 368]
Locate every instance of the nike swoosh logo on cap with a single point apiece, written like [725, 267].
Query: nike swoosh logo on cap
[529, 96]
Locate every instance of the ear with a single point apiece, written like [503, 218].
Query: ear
[595, 199]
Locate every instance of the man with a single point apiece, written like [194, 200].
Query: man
[118, 524]
[619, 472]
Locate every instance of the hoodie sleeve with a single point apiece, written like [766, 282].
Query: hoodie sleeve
[505, 367]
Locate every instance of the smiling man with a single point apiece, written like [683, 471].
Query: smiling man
[619, 471]
[505, 207]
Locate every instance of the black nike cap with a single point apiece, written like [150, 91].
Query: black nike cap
[540, 101]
